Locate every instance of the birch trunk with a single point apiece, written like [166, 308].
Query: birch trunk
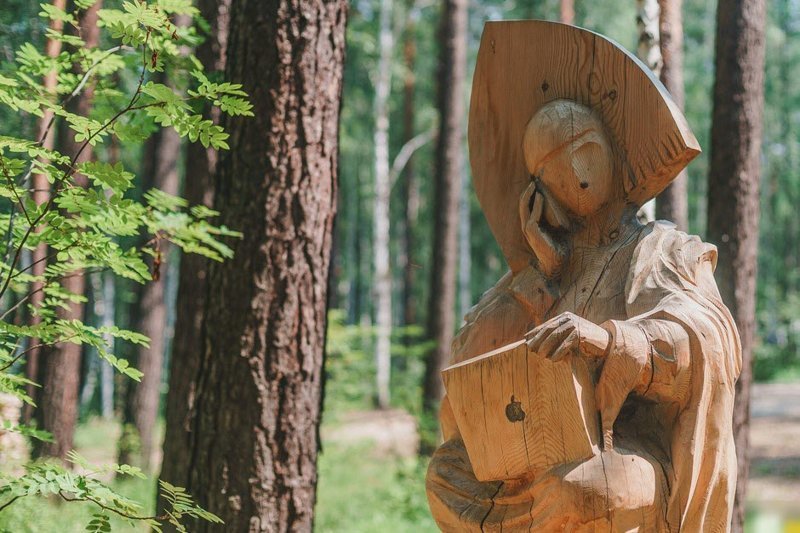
[383, 274]
[649, 51]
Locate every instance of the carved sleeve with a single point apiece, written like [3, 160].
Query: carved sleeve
[657, 353]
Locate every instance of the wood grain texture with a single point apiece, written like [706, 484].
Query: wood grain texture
[524, 64]
[535, 414]
[592, 388]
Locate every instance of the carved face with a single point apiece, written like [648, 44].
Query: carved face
[566, 147]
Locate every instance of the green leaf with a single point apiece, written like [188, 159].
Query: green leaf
[49, 11]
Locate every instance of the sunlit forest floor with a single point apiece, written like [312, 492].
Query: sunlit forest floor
[371, 480]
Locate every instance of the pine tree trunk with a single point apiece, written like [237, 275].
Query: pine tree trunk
[187, 342]
[464, 257]
[60, 369]
[447, 187]
[408, 186]
[672, 204]
[733, 190]
[254, 439]
[41, 194]
[383, 274]
[149, 312]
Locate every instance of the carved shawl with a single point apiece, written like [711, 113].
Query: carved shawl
[676, 317]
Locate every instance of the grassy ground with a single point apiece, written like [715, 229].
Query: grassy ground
[361, 490]
[357, 492]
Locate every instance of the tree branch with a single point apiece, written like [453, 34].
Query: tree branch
[405, 153]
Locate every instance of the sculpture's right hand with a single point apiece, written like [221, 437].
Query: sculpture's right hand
[549, 254]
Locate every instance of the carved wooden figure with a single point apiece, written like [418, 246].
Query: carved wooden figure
[592, 388]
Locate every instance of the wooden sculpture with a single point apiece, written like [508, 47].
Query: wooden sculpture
[592, 388]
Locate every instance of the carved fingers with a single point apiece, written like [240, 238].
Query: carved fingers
[568, 334]
[549, 253]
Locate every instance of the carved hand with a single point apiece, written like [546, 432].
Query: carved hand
[568, 334]
[549, 253]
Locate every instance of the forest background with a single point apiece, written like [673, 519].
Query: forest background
[389, 103]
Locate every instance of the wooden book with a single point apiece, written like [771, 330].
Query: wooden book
[520, 413]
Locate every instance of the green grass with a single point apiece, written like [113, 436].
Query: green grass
[357, 492]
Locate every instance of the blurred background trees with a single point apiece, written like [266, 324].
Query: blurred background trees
[410, 248]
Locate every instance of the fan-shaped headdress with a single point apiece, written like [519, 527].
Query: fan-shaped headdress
[521, 66]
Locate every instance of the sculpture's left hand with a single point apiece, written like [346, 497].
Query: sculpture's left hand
[568, 334]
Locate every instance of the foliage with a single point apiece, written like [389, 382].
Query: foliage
[350, 366]
[93, 209]
[52, 479]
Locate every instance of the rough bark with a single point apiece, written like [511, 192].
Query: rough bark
[672, 204]
[41, 193]
[60, 366]
[733, 190]
[383, 273]
[187, 341]
[254, 431]
[447, 187]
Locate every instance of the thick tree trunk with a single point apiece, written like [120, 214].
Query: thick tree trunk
[447, 188]
[254, 439]
[408, 186]
[41, 194]
[189, 324]
[58, 408]
[383, 273]
[672, 204]
[568, 11]
[733, 195]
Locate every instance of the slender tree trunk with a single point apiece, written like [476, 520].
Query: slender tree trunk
[649, 51]
[58, 407]
[192, 284]
[383, 273]
[733, 190]
[358, 240]
[254, 439]
[149, 312]
[568, 11]
[409, 189]
[673, 203]
[464, 256]
[447, 186]
[106, 370]
[41, 194]
[102, 287]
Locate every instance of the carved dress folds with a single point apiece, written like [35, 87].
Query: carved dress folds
[672, 365]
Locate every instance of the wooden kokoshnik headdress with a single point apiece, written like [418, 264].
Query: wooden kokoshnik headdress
[521, 66]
